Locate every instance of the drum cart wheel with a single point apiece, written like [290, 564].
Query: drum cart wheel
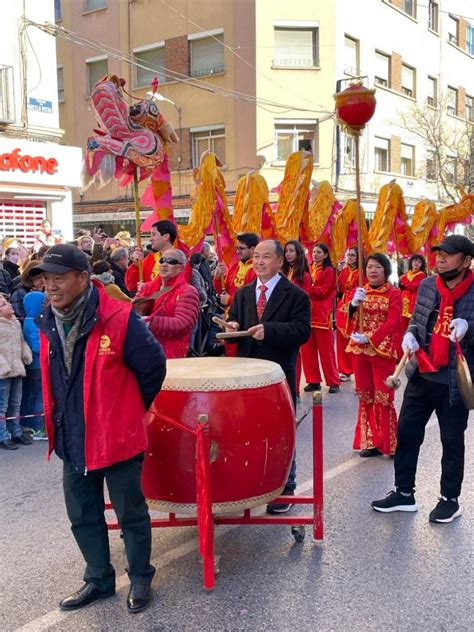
[299, 533]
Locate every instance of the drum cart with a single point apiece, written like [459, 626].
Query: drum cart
[206, 521]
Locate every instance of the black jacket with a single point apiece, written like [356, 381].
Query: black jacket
[421, 326]
[286, 321]
[5, 282]
[142, 354]
[119, 276]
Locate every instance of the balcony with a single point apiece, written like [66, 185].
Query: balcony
[281, 62]
[203, 72]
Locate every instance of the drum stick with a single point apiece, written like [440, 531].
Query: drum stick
[219, 321]
[235, 334]
[394, 381]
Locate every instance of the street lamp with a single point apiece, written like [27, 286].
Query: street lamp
[156, 96]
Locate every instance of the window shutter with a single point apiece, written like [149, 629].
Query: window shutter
[154, 58]
[207, 55]
[294, 47]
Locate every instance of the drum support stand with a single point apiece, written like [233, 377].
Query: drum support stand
[205, 520]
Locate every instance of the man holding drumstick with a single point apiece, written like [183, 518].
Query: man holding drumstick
[276, 313]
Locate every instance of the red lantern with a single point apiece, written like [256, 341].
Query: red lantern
[355, 106]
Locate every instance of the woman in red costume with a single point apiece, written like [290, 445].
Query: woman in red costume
[296, 268]
[409, 284]
[346, 281]
[176, 306]
[374, 349]
[320, 346]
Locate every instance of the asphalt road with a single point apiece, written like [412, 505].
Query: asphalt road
[371, 572]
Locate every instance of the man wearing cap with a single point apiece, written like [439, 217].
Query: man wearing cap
[444, 312]
[96, 390]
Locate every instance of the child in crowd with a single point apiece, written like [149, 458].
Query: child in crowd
[32, 400]
[14, 354]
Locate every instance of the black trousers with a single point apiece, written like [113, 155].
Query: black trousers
[85, 506]
[421, 398]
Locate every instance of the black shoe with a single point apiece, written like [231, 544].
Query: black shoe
[86, 595]
[278, 508]
[138, 598]
[8, 445]
[23, 440]
[370, 452]
[445, 511]
[312, 386]
[394, 501]
[334, 389]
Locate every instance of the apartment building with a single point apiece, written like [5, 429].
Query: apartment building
[253, 80]
[37, 171]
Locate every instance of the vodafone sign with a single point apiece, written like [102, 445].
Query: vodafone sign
[14, 160]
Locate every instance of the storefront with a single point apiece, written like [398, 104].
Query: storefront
[35, 183]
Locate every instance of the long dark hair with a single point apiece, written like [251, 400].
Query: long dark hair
[301, 264]
[356, 250]
[420, 258]
[327, 261]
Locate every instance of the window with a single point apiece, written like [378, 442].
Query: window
[431, 165]
[408, 81]
[433, 16]
[432, 96]
[94, 5]
[211, 138]
[207, 55]
[351, 56]
[452, 100]
[296, 47]
[58, 15]
[153, 58]
[7, 104]
[451, 170]
[409, 7]
[453, 30]
[407, 160]
[470, 39]
[349, 152]
[382, 69]
[294, 135]
[469, 108]
[96, 69]
[60, 71]
[382, 154]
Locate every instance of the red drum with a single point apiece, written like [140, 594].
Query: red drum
[251, 428]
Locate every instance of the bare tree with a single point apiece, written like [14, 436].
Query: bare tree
[451, 140]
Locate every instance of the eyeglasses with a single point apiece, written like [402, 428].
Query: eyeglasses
[241, 248]
[170, 261]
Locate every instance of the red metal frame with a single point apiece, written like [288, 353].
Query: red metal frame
[205, 521]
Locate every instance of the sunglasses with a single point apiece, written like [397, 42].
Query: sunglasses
[170, 261]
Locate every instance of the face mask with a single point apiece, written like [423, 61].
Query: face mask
[14, 258]
[449, 275]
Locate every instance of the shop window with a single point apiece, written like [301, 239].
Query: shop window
[382, 154]
[291, 136]
[153, 58]
[208, 139]
[207, 55]
[296, 47]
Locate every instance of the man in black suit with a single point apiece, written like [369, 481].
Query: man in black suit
[277, 313]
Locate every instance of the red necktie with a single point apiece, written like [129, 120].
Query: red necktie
[262, 301]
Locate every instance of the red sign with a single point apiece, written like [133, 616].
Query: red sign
[14, 160]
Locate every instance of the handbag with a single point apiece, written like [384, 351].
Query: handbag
[464, 379]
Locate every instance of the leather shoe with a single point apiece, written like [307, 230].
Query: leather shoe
[86, 595]
[8, 445]
[138, 598]
[22, 440]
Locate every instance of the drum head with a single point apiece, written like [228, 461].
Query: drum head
[220, 374]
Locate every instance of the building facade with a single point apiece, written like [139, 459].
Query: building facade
[37, 171]
[253, 80]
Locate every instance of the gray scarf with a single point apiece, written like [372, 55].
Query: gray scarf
[106, 278]
[72, 316]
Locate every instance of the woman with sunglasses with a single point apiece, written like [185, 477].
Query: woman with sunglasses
[175, 309]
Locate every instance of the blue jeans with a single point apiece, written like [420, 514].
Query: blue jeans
[10, 401]
[32, 400]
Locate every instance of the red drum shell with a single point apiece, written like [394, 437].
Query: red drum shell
[252, 434]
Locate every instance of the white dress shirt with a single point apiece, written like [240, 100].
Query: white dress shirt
[270, 285]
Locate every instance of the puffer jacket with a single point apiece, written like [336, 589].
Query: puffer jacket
[428, 300]
[14, 352]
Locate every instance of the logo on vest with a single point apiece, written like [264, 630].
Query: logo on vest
[104, 346]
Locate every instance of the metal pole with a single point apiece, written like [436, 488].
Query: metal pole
[138, 236]
[359, 225]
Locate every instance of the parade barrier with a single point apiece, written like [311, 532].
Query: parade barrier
[220, 451]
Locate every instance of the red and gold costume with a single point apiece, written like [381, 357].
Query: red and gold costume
[304, 285]
[320, 346]
[373, 363]
[238, 275]
[410, 282]
[346, 282]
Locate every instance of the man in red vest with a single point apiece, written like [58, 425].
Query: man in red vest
[228, 280]
[101, 370]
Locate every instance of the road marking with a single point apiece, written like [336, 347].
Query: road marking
[52, 618]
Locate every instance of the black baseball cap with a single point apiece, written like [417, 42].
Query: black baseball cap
[64, 258]
[455, 243]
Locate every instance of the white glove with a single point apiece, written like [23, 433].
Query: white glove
[459, 329]
[359, 297]
[361, 339]
[410, 343]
